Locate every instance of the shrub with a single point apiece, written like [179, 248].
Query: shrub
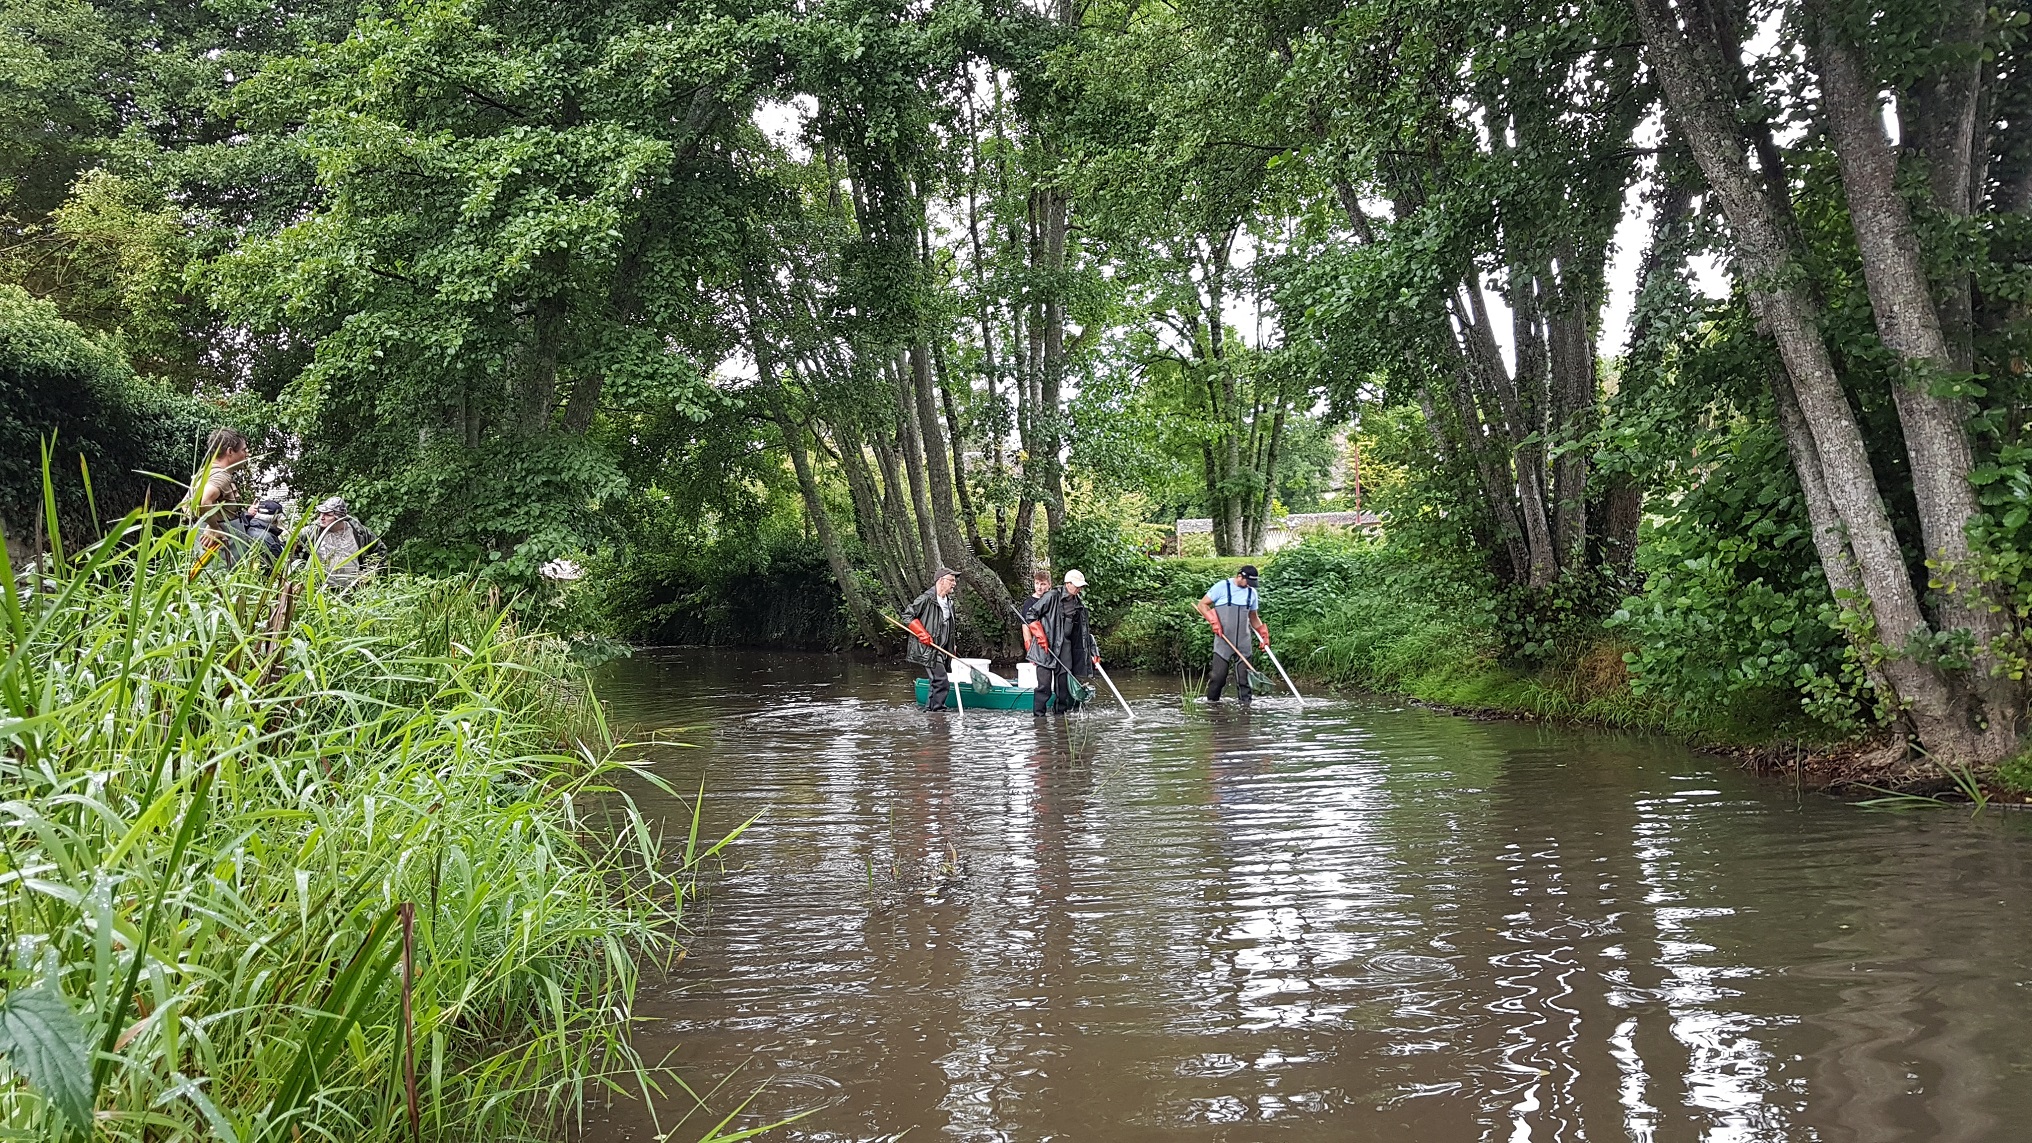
[78, 393]
[2016, 773]
[1735, 615]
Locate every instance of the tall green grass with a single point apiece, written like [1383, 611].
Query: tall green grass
[363, 874]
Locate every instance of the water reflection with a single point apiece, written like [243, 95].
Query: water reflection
[1359, 922]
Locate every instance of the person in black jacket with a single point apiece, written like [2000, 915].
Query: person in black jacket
[1062, 646]
[932, 618]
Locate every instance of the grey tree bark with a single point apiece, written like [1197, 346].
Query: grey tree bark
[1830, 540]
[1700, 83]
[858, 610]
[958, 555]
[1936, 436]
[911, 442]
[868, 517]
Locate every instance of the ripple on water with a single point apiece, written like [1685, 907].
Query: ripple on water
[1362, 922]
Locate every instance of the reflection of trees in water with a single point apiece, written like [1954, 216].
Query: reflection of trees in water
[1566, 1036]
[1019, 965]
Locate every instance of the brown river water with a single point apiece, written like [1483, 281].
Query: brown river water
[1365, 921]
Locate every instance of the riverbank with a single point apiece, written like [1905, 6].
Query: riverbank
[284, 863]
[1363, 617]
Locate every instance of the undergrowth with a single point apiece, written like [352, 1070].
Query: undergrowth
[359, 871]
[1364, 615]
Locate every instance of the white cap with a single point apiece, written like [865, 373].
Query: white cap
[1074, 578]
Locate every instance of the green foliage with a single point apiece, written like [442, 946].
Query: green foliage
[1117, 569]
[78, 394]
[43, 1040]
[2016, 773]
[1735, 614]
[755, 582]
[1538, 626]
[2003, 538]
[252, 813]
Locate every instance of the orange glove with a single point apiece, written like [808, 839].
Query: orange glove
[1263, 637]
[917, 628]
[1214, 621]
[1033, 633]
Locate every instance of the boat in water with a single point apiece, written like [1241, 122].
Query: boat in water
[985, 690]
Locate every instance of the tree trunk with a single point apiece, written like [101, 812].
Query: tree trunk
[1837, 562]
[958, 555]
[539, 394]
[1936, 440]
[1945, 125]
[583, 403]
[858, 611]
[1695, 78]
[1572, 360]
[910, 439]
[1051, 344]
[1526, 463]
[1622, 516]
[1224, 399]
[1498, 490]
[898, 522]
[868, 517]
[1259, 530]
[984, 315]
[969, 518]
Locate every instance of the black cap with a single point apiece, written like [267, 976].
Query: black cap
[1248, 572]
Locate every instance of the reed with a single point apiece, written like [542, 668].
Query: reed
[285, 865]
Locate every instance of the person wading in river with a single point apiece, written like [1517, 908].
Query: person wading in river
[1229, 607]
[1040, 582]
[1062, 647]
[930, 618]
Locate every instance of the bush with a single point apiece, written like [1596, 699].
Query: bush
[2016, 773]
[772, 589]
[1735, 616]
[59, 385]
[1117, 569]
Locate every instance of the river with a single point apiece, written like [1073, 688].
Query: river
[1363, 921]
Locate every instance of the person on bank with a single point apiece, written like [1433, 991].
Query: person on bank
[1229, 607]
[264, 531]
[341, 545]
[1061, 644]
[217, 500]
[930, 618]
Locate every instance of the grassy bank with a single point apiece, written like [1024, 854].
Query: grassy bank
[1368, 617]
[1364, 616]
[346, 873]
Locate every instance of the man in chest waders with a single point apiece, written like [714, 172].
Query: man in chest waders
[930, 618]
[1229, 607]
[1060, 644]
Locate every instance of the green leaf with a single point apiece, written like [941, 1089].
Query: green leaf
[46, 1042]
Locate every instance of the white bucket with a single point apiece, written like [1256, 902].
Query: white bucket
[1026, 675]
